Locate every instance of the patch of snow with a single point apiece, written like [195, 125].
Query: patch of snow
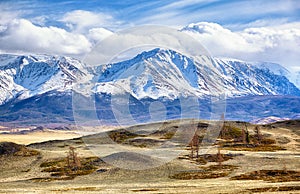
[268, 120]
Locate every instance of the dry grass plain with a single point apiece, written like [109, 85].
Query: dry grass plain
[36, 137]
[36, 174]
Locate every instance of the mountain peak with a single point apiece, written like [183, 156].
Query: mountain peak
[26, 76]
[157, 73]
[155, 52]
[171, 74]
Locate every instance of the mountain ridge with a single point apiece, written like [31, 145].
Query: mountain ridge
[200, 75]
[161, 72]
[40, 87]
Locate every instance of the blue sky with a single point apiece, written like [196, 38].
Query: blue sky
[233, 14]
[256, 30]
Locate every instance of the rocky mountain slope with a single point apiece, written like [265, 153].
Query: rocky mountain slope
[33, 84]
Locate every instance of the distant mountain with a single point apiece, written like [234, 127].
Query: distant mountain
[22, 77]
[268, 120]
[274, 68]
[204, 31]
[37, 88]
[297, 79]
[166, 73]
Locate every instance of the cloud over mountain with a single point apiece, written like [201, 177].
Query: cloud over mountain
[278, 43]
[81, 21]
[259, 31]
[22, 35]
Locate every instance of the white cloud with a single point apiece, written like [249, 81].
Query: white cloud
[280, 44]
[259, 23]
[275, 40]
[219, 40]
[39, 20]
[6, 16]
[21, 35]
[97, 34]
[127, 43]
[32, 36]
[81, 21]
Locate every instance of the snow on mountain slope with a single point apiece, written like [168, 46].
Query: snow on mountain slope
[26, 76]
[268, 120]
[223, 42]
[159, 73]
[6, 59]
[296, 79]
[274, 68]
[165, 73]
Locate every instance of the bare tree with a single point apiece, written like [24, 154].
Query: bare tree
[223, 129]
[243, 136]
[258, 134]
[195, 145]
[220, 158]
[246, 137]
[73, 160]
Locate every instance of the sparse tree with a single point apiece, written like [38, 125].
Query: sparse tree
[223, 129]
[195, 145]
[73, 160]
[220, 158]
[243, 136]
[247, 138]
[258, 134]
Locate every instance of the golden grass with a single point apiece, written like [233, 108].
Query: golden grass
[168, 135]
[213, 171]
[270, 175]
[253, 148]
[120, 136]
[144, 190]
[205, 158]
[79, 189]
[59, 169]
[274, 189]
[13, 149]
[231, 132]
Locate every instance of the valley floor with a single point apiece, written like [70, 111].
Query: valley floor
[20, 174]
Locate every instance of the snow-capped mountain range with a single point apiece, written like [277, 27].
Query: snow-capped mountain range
[26, 76]
[267, 120]
[156, 74]
[297, 79]
[222, 42]
[166, 73]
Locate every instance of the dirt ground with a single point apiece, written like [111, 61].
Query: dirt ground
[19, 174]
[36, 137]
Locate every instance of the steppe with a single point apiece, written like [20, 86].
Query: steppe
[38, 163]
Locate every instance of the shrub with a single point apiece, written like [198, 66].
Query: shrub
[13, 149]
